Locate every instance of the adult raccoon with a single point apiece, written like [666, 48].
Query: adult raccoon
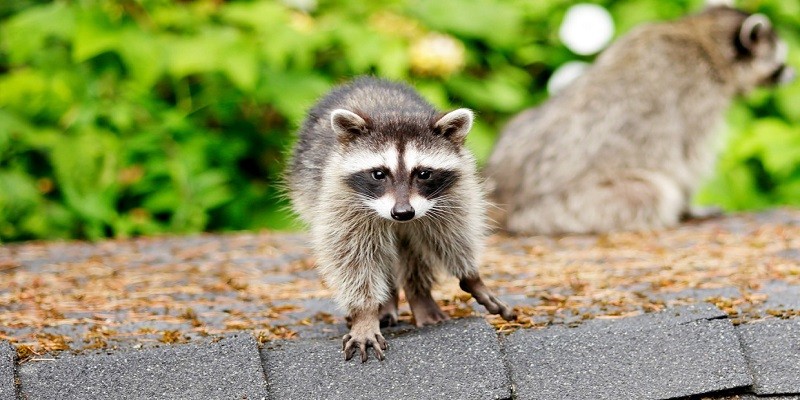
[626, 145]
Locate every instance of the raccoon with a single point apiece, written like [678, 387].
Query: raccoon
[626, 145]
[391, 196]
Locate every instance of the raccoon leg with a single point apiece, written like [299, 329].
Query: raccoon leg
[460, 244]
[626, 201]
[388, 310]
[361, 273]
[418, 279]
[485, 297]
[424, 308]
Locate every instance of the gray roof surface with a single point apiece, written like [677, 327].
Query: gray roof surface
[729, 325]
[675, 353]
[7, 358]
[682, 352]
[773, 351]
[226, 369]
[460, 359]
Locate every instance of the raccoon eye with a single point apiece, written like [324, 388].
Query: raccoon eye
[378, 175]
[424, 174]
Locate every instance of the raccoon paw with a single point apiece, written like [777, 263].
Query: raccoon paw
[426, 311]
[487, 299]
[361, 341]
[496, 306]
[389, 319]
[430, 317]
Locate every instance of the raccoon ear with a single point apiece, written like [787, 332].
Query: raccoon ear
[751, 30]
[455, 125]
[347, 124]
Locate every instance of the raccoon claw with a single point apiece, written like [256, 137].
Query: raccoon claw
[495, 306]
[351, 342]
[484, 297]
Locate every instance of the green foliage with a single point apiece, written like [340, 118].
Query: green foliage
[129, 117]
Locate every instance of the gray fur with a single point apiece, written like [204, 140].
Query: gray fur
[626, 146]
[363, 254]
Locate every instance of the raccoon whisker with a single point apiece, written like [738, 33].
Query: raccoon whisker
[447, 207]
[443, 211]
[443, 207]
[441, 215]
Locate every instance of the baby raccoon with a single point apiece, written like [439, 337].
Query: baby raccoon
[626, 145]
[391, 196]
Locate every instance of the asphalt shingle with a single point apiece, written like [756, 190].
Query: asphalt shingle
[458, 359]
[8, 356]
[773, 349]
[679, 352]
[227, 369]
[749, 396]
[780, 296]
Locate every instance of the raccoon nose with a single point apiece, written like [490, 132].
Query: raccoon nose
[402, 212]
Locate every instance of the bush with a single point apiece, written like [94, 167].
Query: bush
[131, 117]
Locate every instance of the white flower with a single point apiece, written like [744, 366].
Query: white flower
[586, 29]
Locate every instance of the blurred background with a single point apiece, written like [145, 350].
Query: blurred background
[137, 117]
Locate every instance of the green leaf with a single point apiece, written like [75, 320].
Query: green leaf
[143, 54]
[496, 92]
[293, 93]
[192, 55]
[240, 65]
[780, 147]
[262, 14]
[24, 34]
[393, 61]
[214, 50]
[94, 35]
[787, 101]
[497, 22]
[86, 168]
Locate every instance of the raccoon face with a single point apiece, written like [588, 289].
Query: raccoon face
[403, 178]
[761, 54]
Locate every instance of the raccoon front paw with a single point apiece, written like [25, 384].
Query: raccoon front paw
[496, 306]
[484, 297]
[361, 341]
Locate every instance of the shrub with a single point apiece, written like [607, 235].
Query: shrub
[130, 117]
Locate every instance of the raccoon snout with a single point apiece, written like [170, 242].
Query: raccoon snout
[783, 75]
[787, 75]
[402, 212]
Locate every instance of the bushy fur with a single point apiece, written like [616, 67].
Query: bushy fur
[627, 144]
[362, 252]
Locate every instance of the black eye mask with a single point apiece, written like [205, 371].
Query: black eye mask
[437, 183]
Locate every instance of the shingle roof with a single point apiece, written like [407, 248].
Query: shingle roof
[709, 310]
